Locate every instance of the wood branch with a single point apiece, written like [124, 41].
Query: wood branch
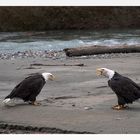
[30, 67]
[39, 64]
[92, 50]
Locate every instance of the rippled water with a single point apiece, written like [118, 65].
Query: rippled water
[57, 40]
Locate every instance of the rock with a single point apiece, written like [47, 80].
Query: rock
[32, 54]
[73, 105]
[87, 108]
[118, 119]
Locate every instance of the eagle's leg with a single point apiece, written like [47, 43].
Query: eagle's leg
[35, 103]
[119, 107]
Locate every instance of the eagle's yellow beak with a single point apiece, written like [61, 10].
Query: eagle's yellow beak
[51, 77]
[99, 71]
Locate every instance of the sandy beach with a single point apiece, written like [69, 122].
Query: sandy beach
[78, 101]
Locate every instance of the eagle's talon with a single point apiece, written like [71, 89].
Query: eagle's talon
[35, 103]
[119, 107]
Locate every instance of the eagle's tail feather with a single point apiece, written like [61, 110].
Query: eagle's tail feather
[12, 102]
[5, 101]
[8, 102]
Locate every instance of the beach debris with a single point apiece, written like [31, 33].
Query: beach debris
[63, 97]
[87, 108]
[96, 49]
[118, 118]
[30, 67]
[73, 105]
[101, 86]
[39, 64]
[18, 68]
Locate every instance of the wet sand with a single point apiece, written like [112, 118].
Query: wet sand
[77, 101]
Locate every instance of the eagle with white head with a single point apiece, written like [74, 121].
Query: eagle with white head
[127, 91]
[28, 89]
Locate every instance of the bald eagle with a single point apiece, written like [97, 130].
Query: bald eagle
[28, 89]
[126, 90]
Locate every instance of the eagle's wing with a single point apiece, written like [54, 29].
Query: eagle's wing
[126, 90]
[30, 85]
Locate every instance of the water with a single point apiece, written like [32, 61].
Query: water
[11, 42]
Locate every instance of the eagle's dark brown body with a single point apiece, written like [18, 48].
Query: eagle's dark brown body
[29, 88]
[126, 90]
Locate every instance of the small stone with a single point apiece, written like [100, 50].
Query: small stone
[118, 118]
[87, 107]
[73, 105]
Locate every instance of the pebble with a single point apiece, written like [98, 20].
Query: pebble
[87, 107]
[33, 54]
[118, 118]
[73, 105]
[55, 55]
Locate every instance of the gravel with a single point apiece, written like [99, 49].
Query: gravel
[55, 55]
[21, 129]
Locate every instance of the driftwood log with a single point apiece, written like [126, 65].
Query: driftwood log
[39, 64]
[92, 50]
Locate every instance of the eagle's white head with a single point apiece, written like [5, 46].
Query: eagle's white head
[105, 72]
[48, 76]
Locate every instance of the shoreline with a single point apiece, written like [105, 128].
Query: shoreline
[9, 128]
[55, 55]
[32, 54]
[77, 101]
